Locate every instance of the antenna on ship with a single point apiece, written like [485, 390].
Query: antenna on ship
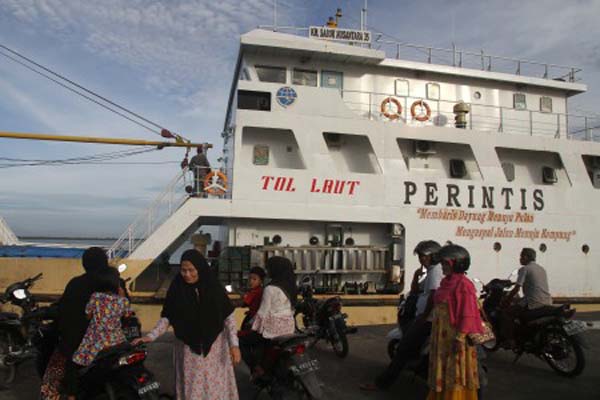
[363, 17]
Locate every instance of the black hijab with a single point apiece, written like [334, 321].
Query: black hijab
[197, 311]
[281, 272]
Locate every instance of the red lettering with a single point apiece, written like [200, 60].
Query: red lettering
[339, 187]
[353, 184]
[313, 187]
[266, 180]
[327, 186]
[279, 183]
[289, 187]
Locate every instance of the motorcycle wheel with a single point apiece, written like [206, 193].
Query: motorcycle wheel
[296, 391]
[562, 353]
[391, 348]
[340, 346]
[7, 372]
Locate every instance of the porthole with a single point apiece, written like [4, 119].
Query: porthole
[477, 95]
[543, 247]
[585, 248]
[349, 242]
[276, 239]
[497, 247]
[314, 240]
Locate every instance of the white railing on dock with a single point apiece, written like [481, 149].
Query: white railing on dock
[333, 260]
[7, 236]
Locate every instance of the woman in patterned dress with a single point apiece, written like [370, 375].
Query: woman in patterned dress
[206, 343]
[452, 359]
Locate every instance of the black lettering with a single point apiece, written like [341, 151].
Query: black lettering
[453, 192]
[538, 199]
[488, 197]
[507, 192]
[409, 190]
[471, 188]
[523, 197]
[430, 194]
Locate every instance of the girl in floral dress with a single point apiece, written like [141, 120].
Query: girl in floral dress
[105, 310]
[206, 342]
[452, 359]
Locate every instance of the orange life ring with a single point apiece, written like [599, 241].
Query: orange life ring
[385, 110]
[215, 183]
[420, 117]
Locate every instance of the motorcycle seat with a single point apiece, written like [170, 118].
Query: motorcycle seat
[544, 314]
[7, 316]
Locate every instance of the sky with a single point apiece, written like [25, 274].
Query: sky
[172, 61]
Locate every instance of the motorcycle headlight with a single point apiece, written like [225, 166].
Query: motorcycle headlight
[20, 294]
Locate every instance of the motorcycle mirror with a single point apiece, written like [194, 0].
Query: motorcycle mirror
[20, 294]
[122, 268]
[229, 288]
[306, 280]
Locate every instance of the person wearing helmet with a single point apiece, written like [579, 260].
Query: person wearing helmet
[419, 330]
[532, 278]
[453, 361]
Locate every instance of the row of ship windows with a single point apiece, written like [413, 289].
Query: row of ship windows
[334, 79]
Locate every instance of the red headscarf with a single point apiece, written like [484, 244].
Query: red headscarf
[459, 292]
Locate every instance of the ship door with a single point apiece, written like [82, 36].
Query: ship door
[332, 80]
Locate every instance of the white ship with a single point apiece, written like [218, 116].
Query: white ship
[343, 158]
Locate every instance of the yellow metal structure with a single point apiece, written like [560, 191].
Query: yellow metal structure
[101, 140]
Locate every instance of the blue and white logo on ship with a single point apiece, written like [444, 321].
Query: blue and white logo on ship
[286, 96]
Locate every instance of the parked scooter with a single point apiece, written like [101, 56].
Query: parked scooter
[323, 319]
[292, 374]
[17, 332]
[550, 333]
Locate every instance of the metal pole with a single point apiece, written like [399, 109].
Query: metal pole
[365, 21]
[587, 132]
[501, 126]
[429, 56]
[453, 54]
[275, 15]
[531, 123]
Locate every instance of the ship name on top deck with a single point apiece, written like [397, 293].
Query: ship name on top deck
[345, 35]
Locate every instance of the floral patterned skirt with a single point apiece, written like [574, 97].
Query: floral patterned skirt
[452, 375]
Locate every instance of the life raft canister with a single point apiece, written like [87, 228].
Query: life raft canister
[421, 116]
[386, 111]
[215, 183]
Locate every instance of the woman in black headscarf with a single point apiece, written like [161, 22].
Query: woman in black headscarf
[206, 345]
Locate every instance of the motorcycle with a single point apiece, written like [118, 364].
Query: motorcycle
[293, 372]
[548, 333]
[323, 319]
[18, 332]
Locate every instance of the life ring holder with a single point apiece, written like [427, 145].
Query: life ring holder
[215, 183]
[385, 111]
[420, 117]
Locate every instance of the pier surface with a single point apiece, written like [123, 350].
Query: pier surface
[528, 379]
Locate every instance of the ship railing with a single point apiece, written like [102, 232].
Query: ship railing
[456, 57]
[480, 117]
[183, 186]
[7, 236]
[333, 260]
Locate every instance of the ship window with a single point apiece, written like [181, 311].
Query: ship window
[332, 79]
[433, 91]
[252, 100]
[261, 155]
[592, 165]
[245, 74]
[401, 87]
[520, 102]
[304, 77]
[270, 74]
[546, 104]
[352, 153]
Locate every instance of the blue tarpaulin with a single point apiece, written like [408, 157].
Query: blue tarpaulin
[38, 251]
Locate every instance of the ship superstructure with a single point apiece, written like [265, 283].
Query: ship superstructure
[342, 159]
